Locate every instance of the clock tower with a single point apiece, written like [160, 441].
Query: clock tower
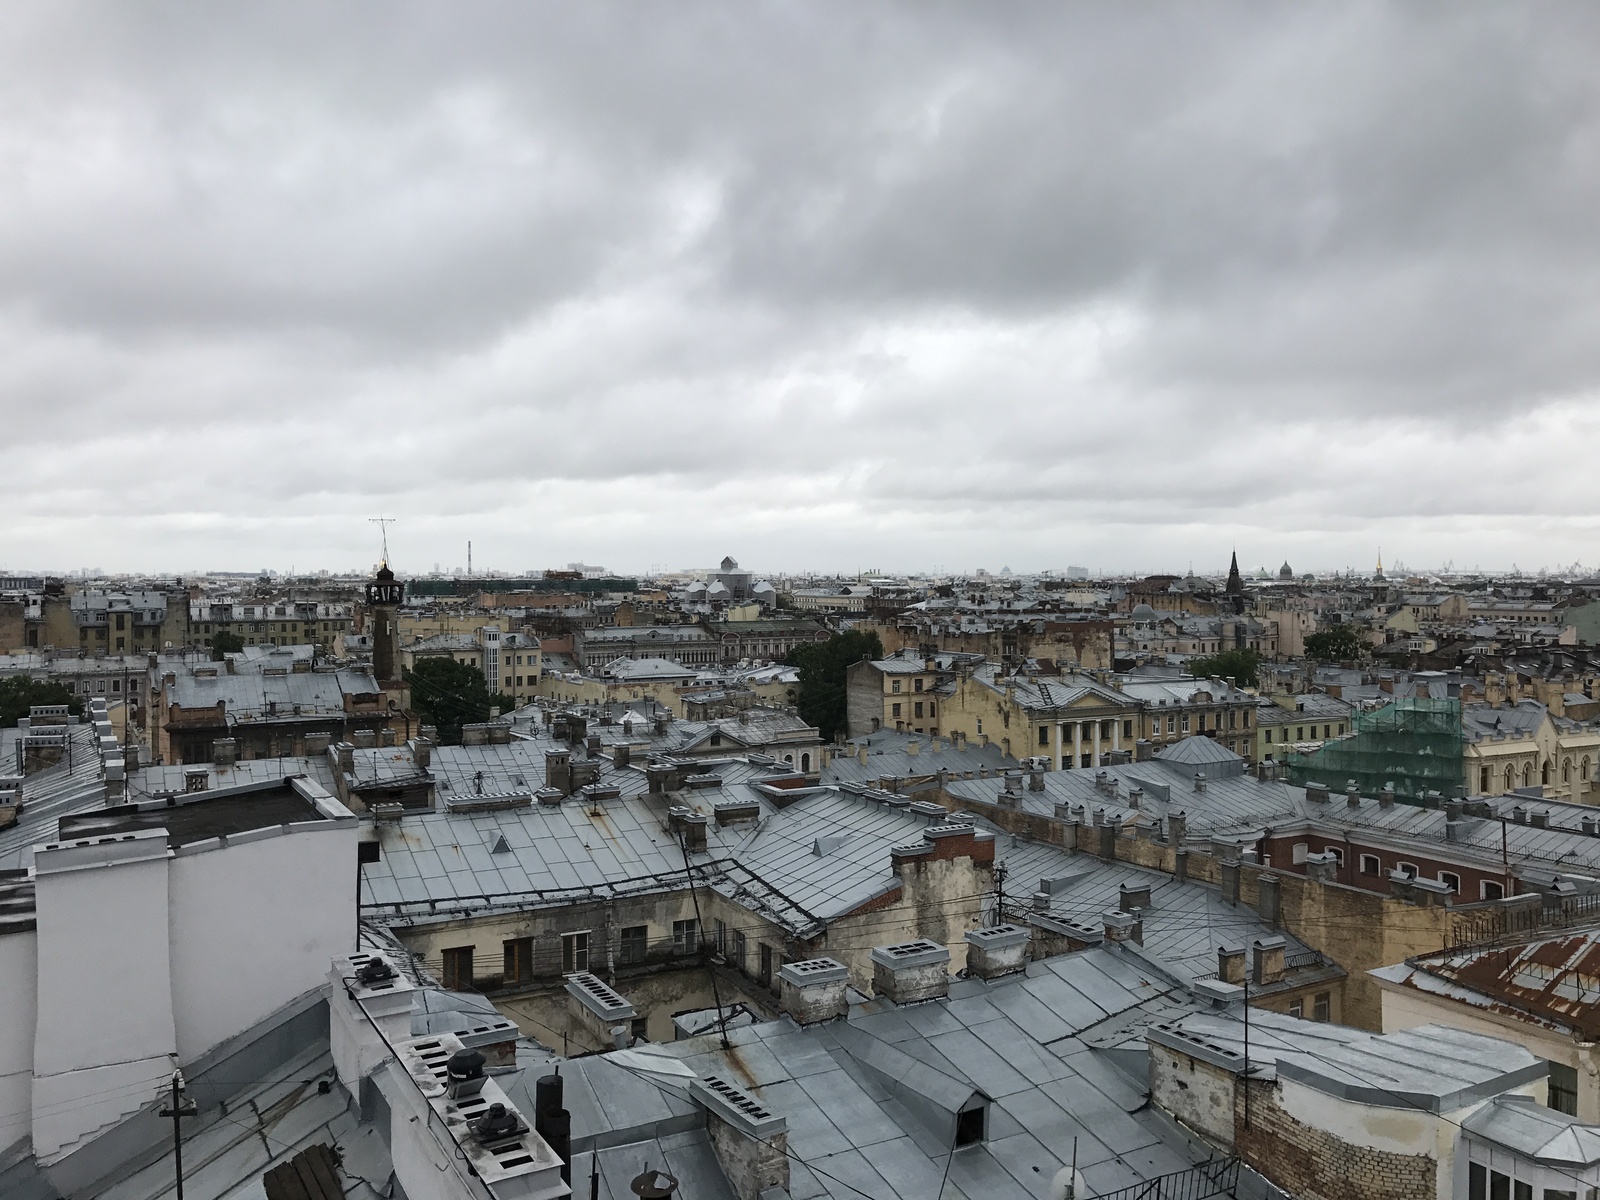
[384, 595]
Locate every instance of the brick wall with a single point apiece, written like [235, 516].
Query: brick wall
[1312, 1164]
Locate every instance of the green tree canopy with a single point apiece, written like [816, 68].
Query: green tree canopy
[19, 693]
[449, 694]
[225, 643]
[1241, 666]
[822, 667]
[1337, 643]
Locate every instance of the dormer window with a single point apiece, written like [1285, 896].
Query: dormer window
[972, 1122]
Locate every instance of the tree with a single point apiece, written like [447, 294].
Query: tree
[1338, 643]
[225, 643]
[449, 694]
[19, 693]
[822, 667]
[1241, 666]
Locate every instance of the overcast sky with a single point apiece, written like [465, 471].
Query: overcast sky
[829, 286]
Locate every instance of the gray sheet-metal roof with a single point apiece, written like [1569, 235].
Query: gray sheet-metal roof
[1183, 927]
[829, 850]
[1432, 1067]
[248, 696]
[47, 796]
[864, 1099]
[1522, 1124]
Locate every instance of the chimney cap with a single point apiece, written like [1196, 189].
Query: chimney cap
[995, 937]
[814, 971]
[920, 952]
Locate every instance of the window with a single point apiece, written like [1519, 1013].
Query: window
[1245, 718]
[1299, 733]
[1297, 1008]
[916, 709]
[1233, 718]
[766, 964]
[895, 687]
[916, 686]
[1563, 1089]
[1184, 724]
[1172, 723]
[1127, 729]
[1521, 1190]
[634, 940]
[458, 968]
[1338, 854]
[1321, 1004]
[685, 936]
[1409, 870]
[736, 948]
[720, 933]
[1451, 880]
[1044, 735]
[1341, 730]
[1483, 779]
[519, 961]
[969, 1125]
[1490, 890]
[1267, 737]
[1370, 864]
[895, 711]
[1566, 763]
[574, 952]
[1300, 852]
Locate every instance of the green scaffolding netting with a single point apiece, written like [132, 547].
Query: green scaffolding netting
[1415, 744]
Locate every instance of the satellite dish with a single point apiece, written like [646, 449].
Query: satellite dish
[1067, 1184]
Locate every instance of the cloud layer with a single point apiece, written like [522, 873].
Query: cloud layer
[825, 286]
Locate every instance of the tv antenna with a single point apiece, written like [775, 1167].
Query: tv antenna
[383, 524]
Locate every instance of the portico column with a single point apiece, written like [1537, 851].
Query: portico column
[1077, 742]
[1061, 737]
[1094, 751]
[1116, 735]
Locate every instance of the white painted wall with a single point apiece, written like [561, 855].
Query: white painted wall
[19, 954]
[104, 1031]
[254, 924]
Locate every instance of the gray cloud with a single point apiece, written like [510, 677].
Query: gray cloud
[825, 285]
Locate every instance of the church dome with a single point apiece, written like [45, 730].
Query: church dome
[1143, 612]
[1286, 572]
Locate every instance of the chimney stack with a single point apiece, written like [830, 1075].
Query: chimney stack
[1123, 927]
[225, 752]
[996, 950]
[1230, 964]
[1268, 961]
[814, 990]
[909, 972]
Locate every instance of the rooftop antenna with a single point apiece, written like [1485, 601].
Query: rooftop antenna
[383, 524]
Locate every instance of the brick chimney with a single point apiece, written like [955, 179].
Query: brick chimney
[1230, 964]
[1123, 927]
[814, 990]
[909, 972]
[1267, 961]
[996, 950]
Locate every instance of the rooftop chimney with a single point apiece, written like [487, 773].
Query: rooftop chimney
[814, 990]
[1230, 964]
[1268, 961]
[909, 972]
[225, 751]
[1386, 796]
[1134, 897]
[1352, 795]
[1123, 927]
[996, 950]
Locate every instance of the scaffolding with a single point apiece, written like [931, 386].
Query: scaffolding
[1415, 744]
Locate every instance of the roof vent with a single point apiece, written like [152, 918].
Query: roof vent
[498, 1124]
[374, 971]
[501, 846]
